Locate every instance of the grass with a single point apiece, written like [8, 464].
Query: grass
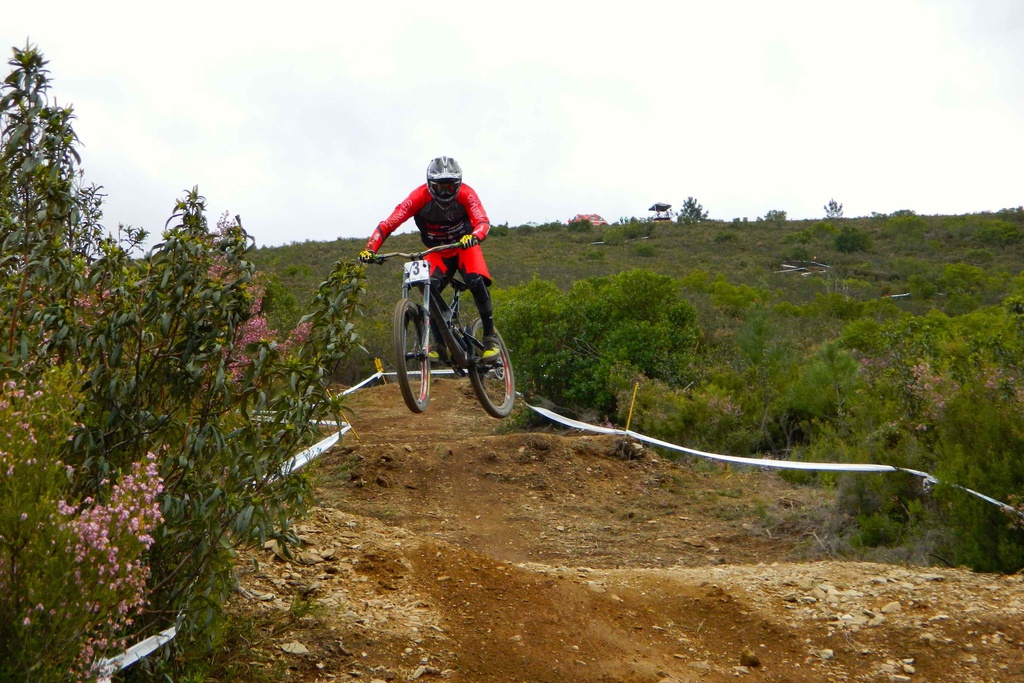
[746, 253]
[750, 254]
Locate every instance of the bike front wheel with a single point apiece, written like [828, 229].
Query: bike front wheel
[411, 360]
[493, 383]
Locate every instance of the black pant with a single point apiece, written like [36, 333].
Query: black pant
[478, 287]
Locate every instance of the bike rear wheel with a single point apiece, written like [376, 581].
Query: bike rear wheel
[494, 383]
[411, 361]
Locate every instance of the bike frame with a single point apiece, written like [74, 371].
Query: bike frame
[457, 341]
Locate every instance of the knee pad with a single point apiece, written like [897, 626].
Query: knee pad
[475, 281]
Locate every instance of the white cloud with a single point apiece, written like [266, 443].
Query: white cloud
[312, 120]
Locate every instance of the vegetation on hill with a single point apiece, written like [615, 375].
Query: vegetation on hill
[893, 339]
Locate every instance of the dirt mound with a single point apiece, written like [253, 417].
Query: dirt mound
[441, 548]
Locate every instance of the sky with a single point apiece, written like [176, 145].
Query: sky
[312, 120]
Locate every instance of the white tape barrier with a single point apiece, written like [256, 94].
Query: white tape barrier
[378, 375]
[371, 378]
[312, 452]
[449, 371]
[763, 462]
[108, 667]
[929, 479]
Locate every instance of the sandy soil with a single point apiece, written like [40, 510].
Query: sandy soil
[443, 547]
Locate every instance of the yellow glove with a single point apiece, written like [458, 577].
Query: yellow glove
[469, 241]
[367, 256]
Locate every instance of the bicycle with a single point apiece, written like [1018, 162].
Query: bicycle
[493, 381]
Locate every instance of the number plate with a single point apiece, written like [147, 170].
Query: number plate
[417, 271]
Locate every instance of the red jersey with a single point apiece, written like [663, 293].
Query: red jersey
[438, 225]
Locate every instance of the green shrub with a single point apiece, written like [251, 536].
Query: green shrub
[733, 298]
[800, 253]
[825, 229]
[565, 345]
[799, 237]
[980, 256]
[962, 278]
[823, 389]
[72, 573]
[614, 235]
[1000, 233]
[851, 239]
[877, 529]
[921, 288]
[979, 447]
[637, 229]
[697, 280]
[705, 418]
[789, 309]
[906, 266]
[907, 229]
[644, 250]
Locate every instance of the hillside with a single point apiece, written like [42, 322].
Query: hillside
[952, 264]
[893, 250]
[442, 548]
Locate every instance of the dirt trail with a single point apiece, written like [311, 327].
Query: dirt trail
[442, 549]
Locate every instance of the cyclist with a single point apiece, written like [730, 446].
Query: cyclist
[446, 210]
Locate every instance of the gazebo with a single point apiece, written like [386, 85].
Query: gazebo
[661, 211]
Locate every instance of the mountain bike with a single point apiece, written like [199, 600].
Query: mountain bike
[462, 346]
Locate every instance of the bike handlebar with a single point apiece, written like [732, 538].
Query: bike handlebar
[416, 255]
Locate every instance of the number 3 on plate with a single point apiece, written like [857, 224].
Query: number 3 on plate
[417, 271]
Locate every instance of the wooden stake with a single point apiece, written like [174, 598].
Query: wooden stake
[630, 417]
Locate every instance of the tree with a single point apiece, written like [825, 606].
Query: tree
[150, 345]
[692, 212]
[774, 216]
[833, 209]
